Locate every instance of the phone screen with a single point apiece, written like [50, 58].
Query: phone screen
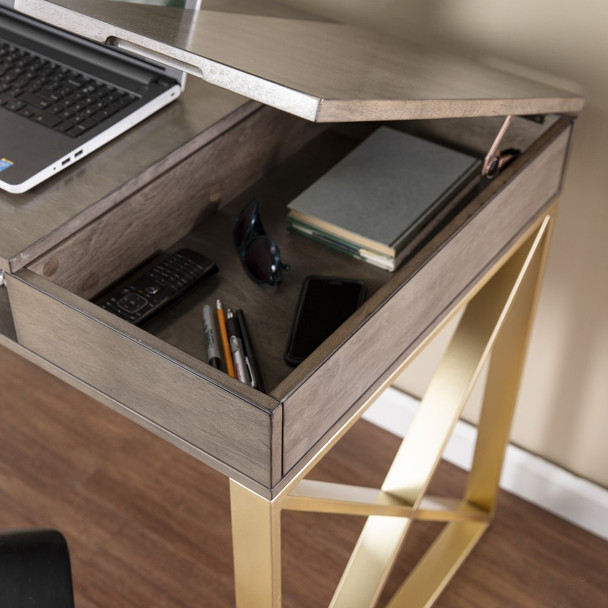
[324, 304]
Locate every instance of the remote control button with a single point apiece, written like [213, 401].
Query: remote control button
[133, 302]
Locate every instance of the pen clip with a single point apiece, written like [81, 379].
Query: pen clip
[252, 376]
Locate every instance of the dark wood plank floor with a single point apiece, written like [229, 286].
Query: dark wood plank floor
[148, 526]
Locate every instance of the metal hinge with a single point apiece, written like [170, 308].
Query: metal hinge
[495, 161]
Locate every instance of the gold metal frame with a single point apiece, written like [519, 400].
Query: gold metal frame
[494, 328]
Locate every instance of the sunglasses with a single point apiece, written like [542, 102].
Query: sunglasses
[258, 252]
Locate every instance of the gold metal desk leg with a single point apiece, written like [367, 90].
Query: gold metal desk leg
[495, 327]
[256, 541]
[502, 383]
[509, 343]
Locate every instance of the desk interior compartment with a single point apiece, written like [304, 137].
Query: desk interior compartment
[157, 374]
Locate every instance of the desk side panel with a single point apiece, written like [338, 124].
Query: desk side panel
[397, 325]
[233, 423]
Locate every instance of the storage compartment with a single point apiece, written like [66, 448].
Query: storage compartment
[157, 373]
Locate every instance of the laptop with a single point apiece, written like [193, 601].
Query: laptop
[62, 97]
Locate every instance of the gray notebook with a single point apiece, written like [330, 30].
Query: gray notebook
[383, 191]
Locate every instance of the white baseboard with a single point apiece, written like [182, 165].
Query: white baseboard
[524, 474]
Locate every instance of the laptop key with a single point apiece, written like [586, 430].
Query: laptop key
[65, 114]
[14, 105]
[87, 124]
[27, 112]
[65, 125]
[47, 119]
[109, 110]
[35, 100]
[48, 93]
[53, 95]
[75, 131]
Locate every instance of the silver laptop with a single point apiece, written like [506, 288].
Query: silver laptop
[62, 97]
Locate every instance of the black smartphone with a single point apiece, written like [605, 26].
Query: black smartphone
[323, 305]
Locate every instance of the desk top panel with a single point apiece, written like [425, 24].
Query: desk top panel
[310, 66]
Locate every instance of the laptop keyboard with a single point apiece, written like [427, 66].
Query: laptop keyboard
[53, 95]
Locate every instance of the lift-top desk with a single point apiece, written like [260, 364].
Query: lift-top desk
[307, 91]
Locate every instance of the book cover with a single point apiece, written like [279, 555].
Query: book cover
[371, 257]
[383, 191]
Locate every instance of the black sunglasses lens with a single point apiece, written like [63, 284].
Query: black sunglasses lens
[261, 258]
[244, 223]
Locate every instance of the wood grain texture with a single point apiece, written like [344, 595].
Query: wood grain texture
[149, 526]
[408, 308]
[311, 67]
[212, 411]
[98, 354]
[51, 212]
[7, 327]
[144, 371]
[131, 415]
[170, 206]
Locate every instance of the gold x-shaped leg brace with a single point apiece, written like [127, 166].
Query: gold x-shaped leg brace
[495, 327]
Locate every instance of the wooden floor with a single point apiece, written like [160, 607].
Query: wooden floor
[148, 526]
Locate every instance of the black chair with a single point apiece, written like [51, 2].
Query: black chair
[35, 570]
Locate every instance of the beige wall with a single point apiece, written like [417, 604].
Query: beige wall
[563, 408]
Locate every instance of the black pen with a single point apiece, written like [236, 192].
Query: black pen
[236, 347]
[213, 349]
[250, 359]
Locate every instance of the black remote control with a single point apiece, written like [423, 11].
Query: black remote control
[145, 294]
